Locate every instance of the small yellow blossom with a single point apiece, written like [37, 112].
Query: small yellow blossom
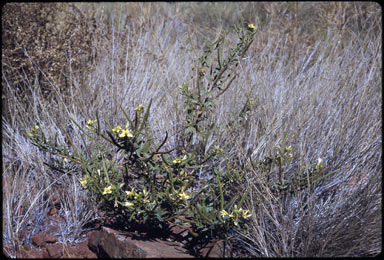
[288, 148]
[179, 160]
[137, 195]
[107, 190]
[225, 213]
[91, 122]
[139, 108]
[33, 131]
[131, 193]
[251, 26]
[84, 182]
[183, 195]
[245, 213]
[125, 133]
[116, 130]
[217, 149]
[319, 164]
[319, 161]
[183, 86]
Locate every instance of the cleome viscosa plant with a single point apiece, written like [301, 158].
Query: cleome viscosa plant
[144, 187]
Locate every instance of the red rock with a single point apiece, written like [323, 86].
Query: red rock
[55, 250]
[44, 253]
[34, 254]
[178, 233]
[28, 252]
[54, 199]
[43, 238]
[53, 211]
[116, 245]
[81, 250]
[214, 249]
[53, 227]
[94, 239]
[26, 247]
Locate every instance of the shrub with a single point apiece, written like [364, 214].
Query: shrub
[147, 188]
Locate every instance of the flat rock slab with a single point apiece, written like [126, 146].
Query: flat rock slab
[114, 244]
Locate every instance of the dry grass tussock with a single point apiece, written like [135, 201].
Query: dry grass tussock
[314, 71]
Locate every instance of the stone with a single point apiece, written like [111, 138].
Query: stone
[34, 254]
[81, 250]
[94, 239]
[178, 233]
[215, 249]
[43, 238]
[53, 212]
[55, 250]
[117, 245]
[28, 252]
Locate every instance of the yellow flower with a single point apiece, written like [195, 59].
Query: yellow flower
[91, 122]
[251, 26]
[319, 164]
[288, 148]
[33, 131]
[183, 196]
[116, 130]
[225, 213]
[176, 161]
[84, 182]
[137, 195]
[140, 108]
[107, 190]
[179, 160]
[126, 133]
[128, 204]
[183, 86]
[217, 149]
[131, 193]
[245, 213]
[319, 161]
